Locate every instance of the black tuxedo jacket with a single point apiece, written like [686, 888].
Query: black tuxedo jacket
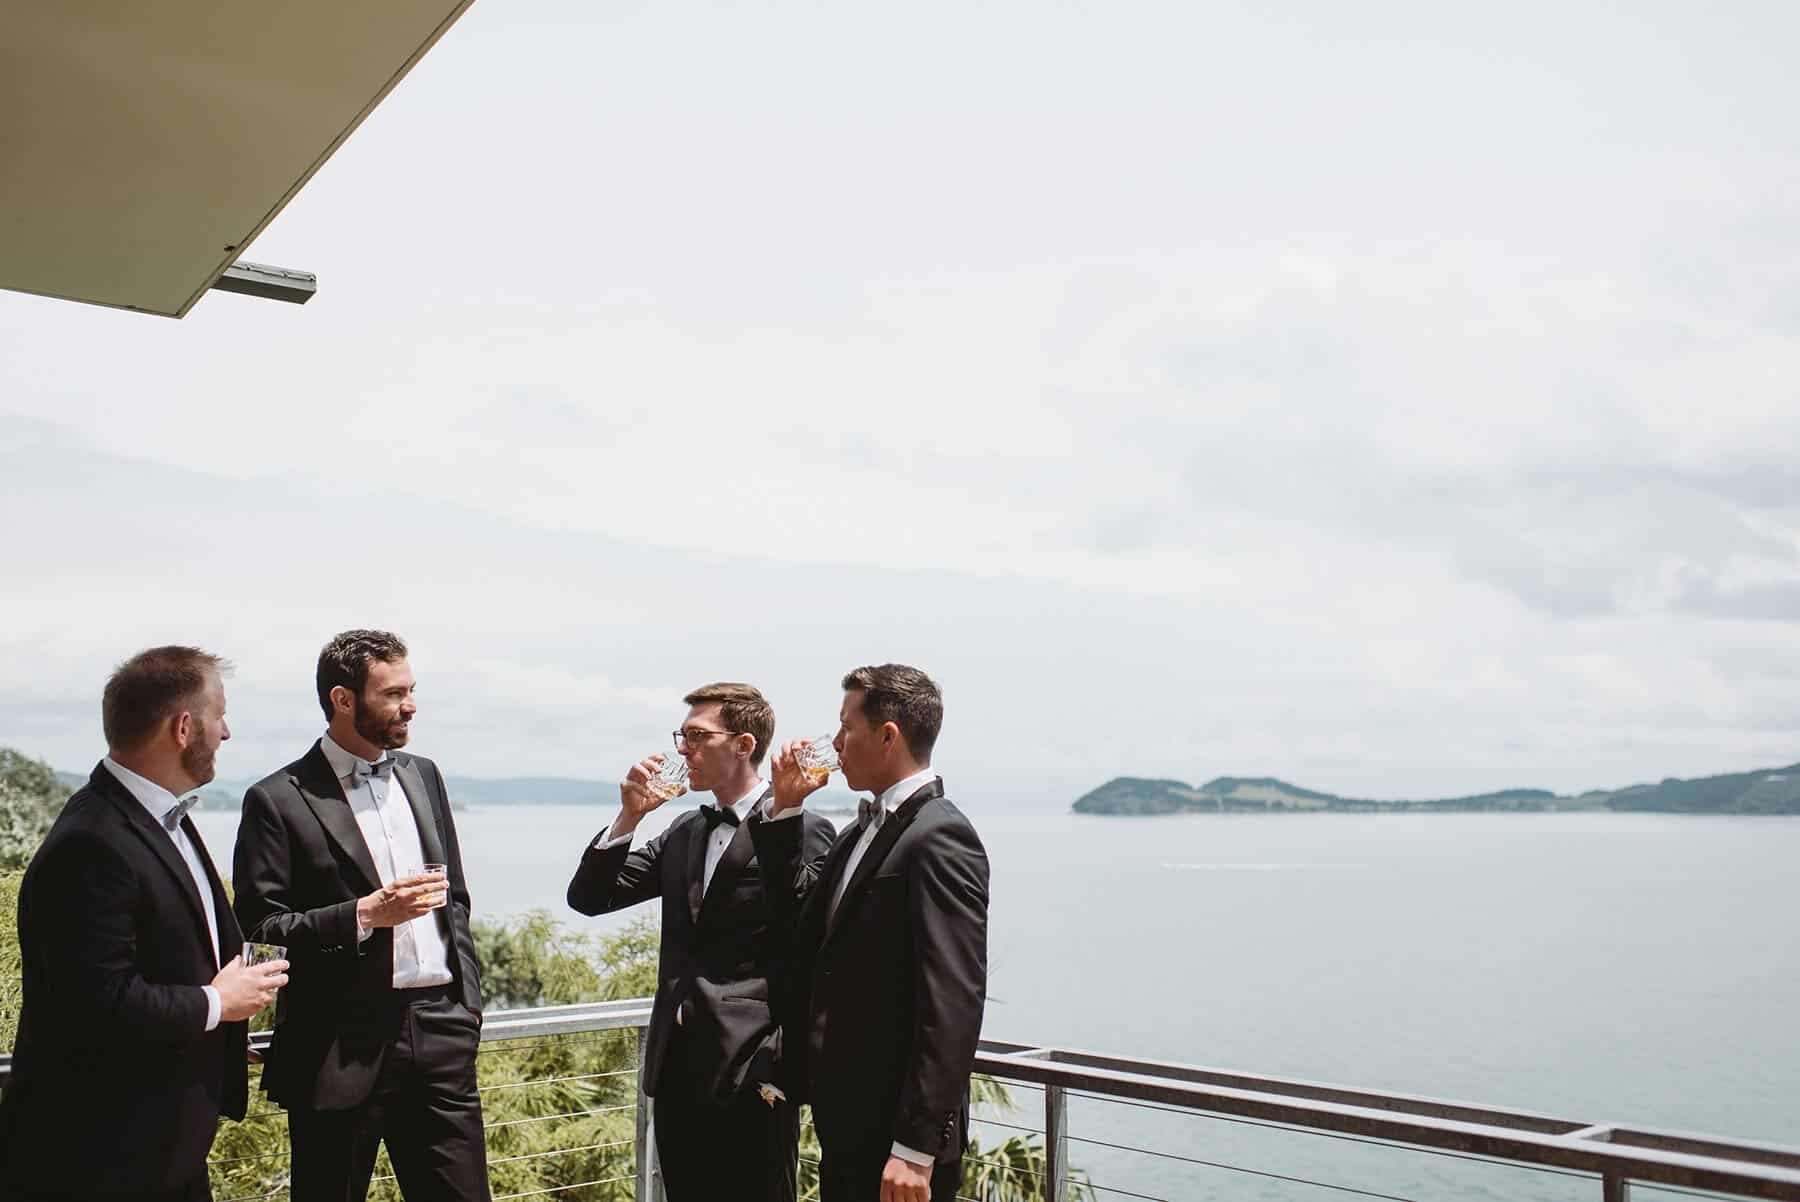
[116, 1085]
[300, 866]
[719, 948]
[883, 1001]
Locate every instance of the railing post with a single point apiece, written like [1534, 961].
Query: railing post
[1617, 1189]
[1056, 1145]
[649, 1178]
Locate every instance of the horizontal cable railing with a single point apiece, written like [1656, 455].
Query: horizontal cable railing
[1611, 1156]
[563, 1113]
[590, 1082]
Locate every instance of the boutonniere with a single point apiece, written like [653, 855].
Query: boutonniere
[770, 1094]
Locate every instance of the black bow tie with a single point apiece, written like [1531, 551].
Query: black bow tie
[868, 810]
[717, 814]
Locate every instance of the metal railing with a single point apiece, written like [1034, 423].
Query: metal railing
[506, 1034]
[1612, 1156]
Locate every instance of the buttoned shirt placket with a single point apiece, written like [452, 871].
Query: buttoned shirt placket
[405, 946]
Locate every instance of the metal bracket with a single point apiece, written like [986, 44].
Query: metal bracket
[270, 283]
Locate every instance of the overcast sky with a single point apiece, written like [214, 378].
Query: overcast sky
[1402, 399]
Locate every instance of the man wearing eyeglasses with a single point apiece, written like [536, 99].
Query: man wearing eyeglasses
[723, 1130]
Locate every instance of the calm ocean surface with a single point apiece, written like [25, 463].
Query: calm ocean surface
[1599, 967]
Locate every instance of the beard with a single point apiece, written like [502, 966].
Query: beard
[199, 761]
[386, 734]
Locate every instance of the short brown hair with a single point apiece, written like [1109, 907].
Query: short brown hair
[150, 688]
[346, 658]
[904, 696]
[743, 709]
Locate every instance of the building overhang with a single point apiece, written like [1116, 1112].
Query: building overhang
[148, 144]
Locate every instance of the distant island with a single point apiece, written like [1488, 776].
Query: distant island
[1766, 791]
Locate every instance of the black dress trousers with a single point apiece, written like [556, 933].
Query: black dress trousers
[709, 1152]
[853, 1157]
[424, 1107]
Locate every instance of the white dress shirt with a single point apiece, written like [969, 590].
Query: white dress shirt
[716, 843]
[159, 801]
[385, 818]
[724, 832]
[891, 798]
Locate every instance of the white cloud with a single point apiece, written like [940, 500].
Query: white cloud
[1402, 405]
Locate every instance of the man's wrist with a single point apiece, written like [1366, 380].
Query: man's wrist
[615, 834]
[775, 812]
[784, 807]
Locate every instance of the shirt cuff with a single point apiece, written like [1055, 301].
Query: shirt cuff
[771, 814]
[362, 932]
[602, 843]
[911, 1157]
[214, 1007]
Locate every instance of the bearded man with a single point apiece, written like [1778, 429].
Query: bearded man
[131, 1041]
[348, 858]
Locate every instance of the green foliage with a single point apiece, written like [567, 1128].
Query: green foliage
[560, 1109]
[1012, 1171]
[30, 799]
[536, 961]
[12, 986]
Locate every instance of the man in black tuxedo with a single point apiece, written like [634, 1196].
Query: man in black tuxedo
[723, 1128]
[375, 1039]
[131, 1039]
[888, 976]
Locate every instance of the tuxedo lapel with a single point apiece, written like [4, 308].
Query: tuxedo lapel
[322, 792]
[231, 939]
[413, 782]
[697, 835]
[161, 846]
[829, 874]
[737, 855]
[890, 831]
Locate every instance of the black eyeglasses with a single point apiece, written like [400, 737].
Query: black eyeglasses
[693, 736]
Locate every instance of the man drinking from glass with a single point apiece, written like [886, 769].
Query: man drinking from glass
[888, 976]
[723, 1128]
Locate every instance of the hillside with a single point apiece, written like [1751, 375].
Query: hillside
[1764, 791]
[1264, 794]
